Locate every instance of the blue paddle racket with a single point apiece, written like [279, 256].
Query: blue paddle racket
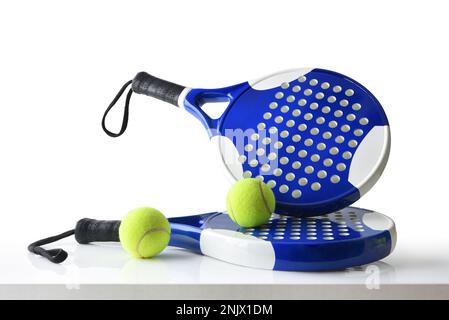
[343, 239]
[319, 139]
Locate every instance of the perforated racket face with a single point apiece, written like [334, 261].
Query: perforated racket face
[346, 224]
[317, 138]
[342, 239]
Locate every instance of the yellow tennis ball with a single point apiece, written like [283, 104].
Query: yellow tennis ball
[144, 232]
[250, 202]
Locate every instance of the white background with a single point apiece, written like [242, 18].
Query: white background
[61, 63]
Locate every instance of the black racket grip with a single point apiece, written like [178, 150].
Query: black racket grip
[91, 230]
[144, 83]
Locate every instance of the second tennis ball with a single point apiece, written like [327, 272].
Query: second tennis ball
[250, 203]
[144, 232]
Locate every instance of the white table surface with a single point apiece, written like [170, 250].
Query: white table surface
[418, 270]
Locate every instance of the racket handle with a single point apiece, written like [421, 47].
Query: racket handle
[144, 83]
[91, 230]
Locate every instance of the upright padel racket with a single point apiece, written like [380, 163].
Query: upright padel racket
[343, 239]
[319, 139]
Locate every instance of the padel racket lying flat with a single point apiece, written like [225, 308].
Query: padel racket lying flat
[319, 139]
[343, 239]
[347, 238]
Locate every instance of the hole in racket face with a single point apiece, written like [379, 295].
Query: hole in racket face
[215, 109]
[301, 137]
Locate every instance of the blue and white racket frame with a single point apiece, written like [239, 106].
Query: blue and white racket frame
[347, 238]
[318, 138]
[343, 239]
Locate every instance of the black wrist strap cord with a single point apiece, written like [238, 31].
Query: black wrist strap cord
[54, 255]
[125, 111]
